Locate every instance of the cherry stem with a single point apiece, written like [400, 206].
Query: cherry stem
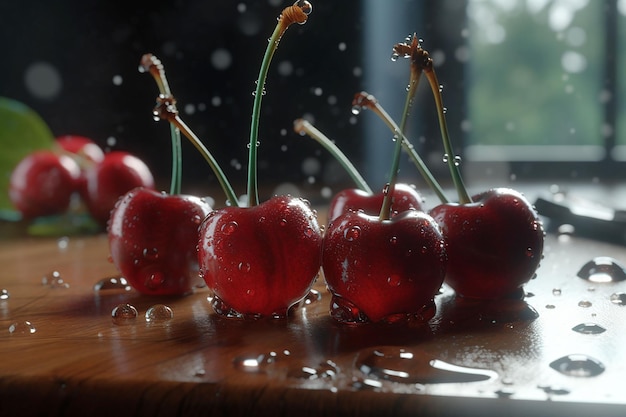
[166, 110]
[304, 127]
[153, 65]
[422, 62]
[365, 100]
[297, 13]
[453, 165]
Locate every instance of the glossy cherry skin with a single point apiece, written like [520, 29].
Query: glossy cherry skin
[82, 146]
[43, 183]
[405, 197]
[153, 238]
[383, 271]
[118, 173]
[494, 244]
[260, 261]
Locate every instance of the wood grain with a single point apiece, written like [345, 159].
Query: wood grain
[79, 363]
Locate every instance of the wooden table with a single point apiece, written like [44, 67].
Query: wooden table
[79, 363]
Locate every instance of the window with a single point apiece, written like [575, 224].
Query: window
[542, 85]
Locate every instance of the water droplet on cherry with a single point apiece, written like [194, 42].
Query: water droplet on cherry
[150, 254]
[244, 267]
[230, 227]
[394, 280]
[352, 233]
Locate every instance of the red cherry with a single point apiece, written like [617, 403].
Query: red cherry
[153, 238]
[261, 260]
[42, 183]
[494, 244]
[118, 173]
[405, 197]
[82, 146]
[387, 270]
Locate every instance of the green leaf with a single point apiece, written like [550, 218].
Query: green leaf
[22, 131]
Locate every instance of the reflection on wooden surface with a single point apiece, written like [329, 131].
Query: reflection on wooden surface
[62, 354]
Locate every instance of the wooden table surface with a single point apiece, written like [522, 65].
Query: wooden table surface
[77, 362]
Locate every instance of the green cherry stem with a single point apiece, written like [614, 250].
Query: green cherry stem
[368, 101]
[421, 61]
[464, 197]
[166, 109]
[304, 127]
[152, 64]
[297, 13]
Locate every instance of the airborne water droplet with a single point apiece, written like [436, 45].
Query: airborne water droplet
[578, 365]
[588, 328]
[602, 269]
[124, 314]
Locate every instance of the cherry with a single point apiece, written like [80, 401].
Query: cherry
[153, 238]
[118, 173]
[384, 268]
[42, 183]
[494, 239]
[260, 260]
[383, 271]
[363, 198]
[494, 243]
[81, 146]
[405, 197]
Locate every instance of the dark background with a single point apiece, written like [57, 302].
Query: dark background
[90, 43]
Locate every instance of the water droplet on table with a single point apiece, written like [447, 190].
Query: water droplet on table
[401, 365]
[578, 365]
[589, 328]
[21, 328]
[618, 298]
[54, 280]
[4, 294]
[112, 284]
[602, 269]
[159, 313]
[258, 363]
[311, 297]
[325, 370]
[124, 314]
[553, 391]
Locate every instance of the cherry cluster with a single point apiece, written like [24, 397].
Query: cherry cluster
[384, 256]
[43, 182]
